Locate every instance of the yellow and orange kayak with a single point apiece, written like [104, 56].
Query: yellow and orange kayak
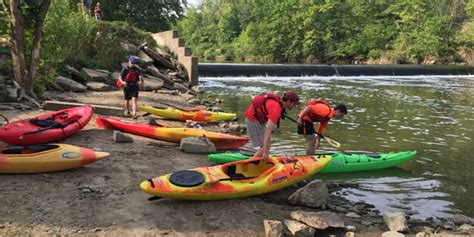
[198, 115]
[46, 158]
[220, 140]
[236, 179]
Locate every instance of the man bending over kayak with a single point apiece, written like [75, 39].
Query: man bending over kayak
[263, 114]
[317, 111]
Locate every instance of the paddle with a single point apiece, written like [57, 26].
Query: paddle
[329, 140]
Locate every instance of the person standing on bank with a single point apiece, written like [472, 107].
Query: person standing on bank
[132, 80]
[98, 11]
[263, 114]
[317, 111]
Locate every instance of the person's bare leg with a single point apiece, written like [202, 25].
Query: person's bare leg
[127, 107]
[310, 144]
[134, 106]
[259, 152]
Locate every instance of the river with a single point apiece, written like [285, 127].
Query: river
[431, 114]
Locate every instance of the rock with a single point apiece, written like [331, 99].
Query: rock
[94, 184]
[168, 92]
[349, 234]
[395, 221]
[76, 75]
[70, 85]
[146, 61]
[299, 229]
[180, 88]
[314, 194]
[120, 137]
[195, 89]
[392, 234]
[234, 127]
[465, 229]
[351, 228]
[274, 228]
[460, 219]
[152, 83]
[319, 220]
[197, 145]
[352, 215]
[99, 86]
[194, 101]
[3, 91]
[12, 93]
[422, 234]
[96, 75]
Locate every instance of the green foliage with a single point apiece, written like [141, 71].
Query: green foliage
[328, 30]
[151, 15]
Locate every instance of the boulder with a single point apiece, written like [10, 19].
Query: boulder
[96, 75]
[99, 86]
[197, 145]
[392, 234]
[3, 91]
[460, 219]
[299, 229]
[395, 221]
[12, 93]
[152, 83]
[314, 194]
[274, 228]
[70, 85]
[76, 75]
[120, 137]
[130, 48]
[318, 220]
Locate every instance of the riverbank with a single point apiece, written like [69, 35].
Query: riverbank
[104, 199]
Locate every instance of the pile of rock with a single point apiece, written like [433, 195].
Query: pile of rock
[8, 91]
[159, 69]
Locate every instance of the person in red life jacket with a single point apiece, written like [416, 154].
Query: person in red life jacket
[98, 11]
[132, 80]
[317, 111]
[263, 114]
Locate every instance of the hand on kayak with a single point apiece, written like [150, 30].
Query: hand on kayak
[265, 155]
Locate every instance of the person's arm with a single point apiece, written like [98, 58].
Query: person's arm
[267, 138]
[121, 76]
[303, 113]
[141, 80]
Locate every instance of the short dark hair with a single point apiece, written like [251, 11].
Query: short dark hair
[342, 108]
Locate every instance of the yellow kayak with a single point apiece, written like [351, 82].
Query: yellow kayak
[46, 158]
[198, 115]
[236, 179]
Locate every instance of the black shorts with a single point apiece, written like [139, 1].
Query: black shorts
[306, 128]
[130, 90]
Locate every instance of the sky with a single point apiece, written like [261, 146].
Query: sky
[194, 2]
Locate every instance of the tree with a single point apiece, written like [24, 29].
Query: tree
[25, 17]
[151, 15]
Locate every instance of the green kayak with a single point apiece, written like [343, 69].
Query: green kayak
[344, 161]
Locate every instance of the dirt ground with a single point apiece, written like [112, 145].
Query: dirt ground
[57, 203]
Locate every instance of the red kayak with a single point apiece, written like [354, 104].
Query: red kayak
[46, 128]
[221, 140]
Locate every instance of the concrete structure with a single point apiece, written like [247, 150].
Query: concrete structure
[170, 39]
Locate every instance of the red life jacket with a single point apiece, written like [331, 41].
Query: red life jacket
[316, 118]
[132, 75]
[258, 103]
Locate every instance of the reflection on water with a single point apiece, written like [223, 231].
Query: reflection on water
[431, 114]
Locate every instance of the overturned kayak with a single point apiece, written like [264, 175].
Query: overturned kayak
[221, 140]
[46, 158]
[348, 161]
[198, 115]
[235, 180]
[46, 128]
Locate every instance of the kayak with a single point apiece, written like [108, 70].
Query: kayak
[236, 179]
[198, 115]
[170, 134]
[46, 158]
[46, 128]
[345, 161]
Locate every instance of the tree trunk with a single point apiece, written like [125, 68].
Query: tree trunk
[24, 77]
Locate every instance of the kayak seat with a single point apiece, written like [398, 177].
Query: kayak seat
[231, 172]
[13, 150]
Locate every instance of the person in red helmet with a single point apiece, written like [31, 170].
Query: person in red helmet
[317, 111]
[263, 114]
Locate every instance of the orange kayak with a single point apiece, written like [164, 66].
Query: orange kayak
[235, 180]
[220, 140]
[46, 158]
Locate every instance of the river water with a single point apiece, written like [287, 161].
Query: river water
[431, 114]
